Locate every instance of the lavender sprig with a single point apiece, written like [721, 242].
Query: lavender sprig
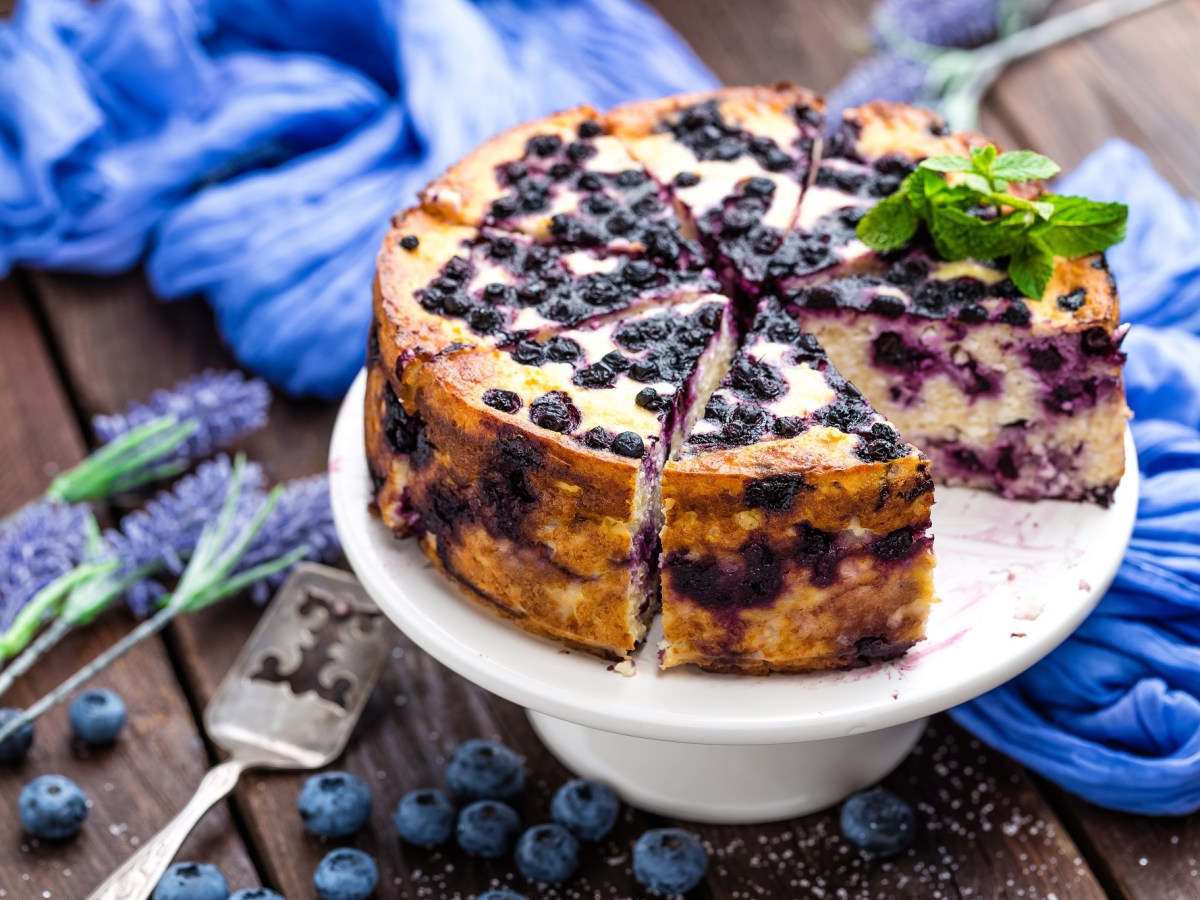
[43, 542]
[303, 517]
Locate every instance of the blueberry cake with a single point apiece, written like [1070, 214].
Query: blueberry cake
[616, 349]
[797, 520]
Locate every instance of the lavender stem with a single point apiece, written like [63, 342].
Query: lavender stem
[43, 644]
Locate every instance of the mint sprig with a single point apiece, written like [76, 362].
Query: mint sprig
[970, 212]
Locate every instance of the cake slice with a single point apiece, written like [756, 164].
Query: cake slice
[535, 473]
[796, 529]
[564, 179]
[736, 159]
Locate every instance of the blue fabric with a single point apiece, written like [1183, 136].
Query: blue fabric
[1114, 713]
[256, 148]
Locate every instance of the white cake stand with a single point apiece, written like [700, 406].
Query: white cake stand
[1014, 580]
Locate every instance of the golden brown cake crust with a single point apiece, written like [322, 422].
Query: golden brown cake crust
[744, 105]
[881, 128]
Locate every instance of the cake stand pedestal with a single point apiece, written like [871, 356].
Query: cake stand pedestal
[1014, 580]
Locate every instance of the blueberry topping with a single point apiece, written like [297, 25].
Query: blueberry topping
[503, 248]
[586, 809]
[881, 444]
[687, 179]
[598, 438]
[543, 145]
[1073, 301]
[192, 881]
[504, 208]
[972, 314]
[346, 874]
[669, 861]
[505, 401]
[410, 242]
[788, 426]
[563, 350]
[756, 380]
[844, 415]
[529, 353]
[775, 492]
[1016, 314]
[589, 128]
[631, 178]
[15, 747]
[890, 350]
[334, 804]
[878, 821]
[1045, 359]
[719, 408]
[890, 306]
[649, 398]
[629, 443]
[547, 854]
[425, 818]
[620, 223]
[487, 829]
[53, 808]
[97, 716]
[596, 376]
[485, 770]
[1095, 342]
[577, 151]
[759, 187]
[894, 546]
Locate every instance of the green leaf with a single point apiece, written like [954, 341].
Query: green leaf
[960, 235]
[978, 183]
[982, 158]
[1079, 226]
[1031, 267]
[889, 224]
[1024, 165]
[947, 164]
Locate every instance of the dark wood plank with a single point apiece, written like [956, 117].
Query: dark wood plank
[147, 776]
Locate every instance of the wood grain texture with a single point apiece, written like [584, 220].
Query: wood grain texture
[142, 780]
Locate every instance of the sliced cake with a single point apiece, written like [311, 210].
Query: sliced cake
[736, 159]
[535, 473]
[797, 521]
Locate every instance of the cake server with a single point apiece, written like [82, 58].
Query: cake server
[290, 702]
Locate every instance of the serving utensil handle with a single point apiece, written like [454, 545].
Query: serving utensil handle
[138, 875]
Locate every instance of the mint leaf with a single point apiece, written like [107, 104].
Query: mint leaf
[889, 224]
[1079, 226]
[1031, 267]
[1024, 165]
[982, 159]
[959, 235]
[947, 164]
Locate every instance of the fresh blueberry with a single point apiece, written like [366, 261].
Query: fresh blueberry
[334, 804]
[547, 853]
[879, 821]
[346, 874]
[14, 747]
[425, 818]
[485, 770]
[52, 807]
[97, 716]
[487, 828]
[192, 881]
[501, 894]
[256, 894]
[669, 861]
[586, 809]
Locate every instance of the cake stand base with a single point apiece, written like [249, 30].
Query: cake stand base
[728, 783]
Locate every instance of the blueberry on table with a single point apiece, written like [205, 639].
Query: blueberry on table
[256, 894]
[547, 854]
[52, 807]
[192, 881]
[879, 821]
[425, 818]
[14, 748]
[346, 874]
[586, 809]
[97, 716]
[501, 894]
[669, 861]
[485, 770]
[487, 829]
[334, 804]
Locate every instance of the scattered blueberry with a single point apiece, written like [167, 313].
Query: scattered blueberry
[256, 894]
[334, 804]
[97, 716]
[487, 828]
[485, 770]
[669, 861]
[586, 809]
[879, 821]
[14, 747]
[547, 853]
[425, 818]
[346, 874]
[501, 894]
[192, 881]
[52, 807]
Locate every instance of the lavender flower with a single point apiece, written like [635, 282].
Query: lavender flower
[224, 406]
[302, 516]
[942, 23]
[43, 542]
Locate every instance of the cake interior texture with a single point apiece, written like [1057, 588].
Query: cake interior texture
[640, 360]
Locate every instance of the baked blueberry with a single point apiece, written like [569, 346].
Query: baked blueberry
[878, 821]
[52, 807]
[346, 874]
[97, 716]
[410, 242]
[669, 861]
[425, 818]
[487, 828]
[15, 747]
[547, 854]
[629, 443]
[485, 770]
[256, 894]
[334, 804]
[587, 809]
[505, 401]
[554, 412]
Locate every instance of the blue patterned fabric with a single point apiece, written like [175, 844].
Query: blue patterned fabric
[254, 149]
[1114, 713]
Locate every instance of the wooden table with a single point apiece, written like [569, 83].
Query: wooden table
[71, 347]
